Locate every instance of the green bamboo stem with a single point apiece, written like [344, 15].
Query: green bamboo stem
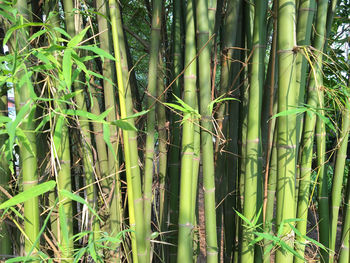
[71, 20]
[323, 210]
[202, 28]
[212, 4]
[186, 214]
[162, 138]
[344, 255]
[151, 115]
[270, 199]
[286, 133]
[174, 148]
[5, 240]
[229, 35]
[306, 10]
[132, 134]
[135, 200]
[28, 161]
[323, 199]
[63, 179]
[116, 210]
[306, 149]
[253, 169]
[195, 176]
[338, 180]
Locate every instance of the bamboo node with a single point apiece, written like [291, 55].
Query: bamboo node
[208, 191]
[285, 146]
[188, 224]
[256, 140]
[285, 51]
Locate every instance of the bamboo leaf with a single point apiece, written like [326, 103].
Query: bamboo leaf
[63, 223]
[106, 138]
[23, 138]
[87, 114]
[289, 112]
[218, 100]
[37, 34]
[78, 199]
[141, 113]
[102, 53]
[124, 125]
[29, 194]
[77, 38]
[176, 107]
[67, 67]
[63, 32]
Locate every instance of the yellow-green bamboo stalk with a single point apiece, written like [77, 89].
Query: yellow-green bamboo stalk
[151, 118]
[135, 200]
[286, 125]
[202, 29]
[186, 218]
[174, 147]
[338, 179]
[5, 240]
[27, 156]
[252, 168]
[73, 26]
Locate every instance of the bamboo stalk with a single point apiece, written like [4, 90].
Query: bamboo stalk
[151, 118]
[253, 168]
[28, 161]
[73, 27]
[135, 200]
[338, 180]
[344, 255]
[174, 147]
[286, 134]
[186, 211]
[202, 28]
[5, 240]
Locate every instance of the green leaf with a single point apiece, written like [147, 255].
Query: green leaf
[124, 125]
[29, 194]
[57, 136]
[24, 140]
[218, 100]
[77, 38]
[289, 112]
[102, 53]
[176, 107]
[86, 114]
[78, 199]
[106, 138]
[37, 34]
[244, 218]
[63, 223]
[138, 114]
[67, 67]
[63, 32]
[186, 106]
[23, 259]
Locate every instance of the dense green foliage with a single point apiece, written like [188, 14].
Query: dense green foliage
[174, 131]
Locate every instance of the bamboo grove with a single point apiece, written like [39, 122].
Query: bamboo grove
[174, 131]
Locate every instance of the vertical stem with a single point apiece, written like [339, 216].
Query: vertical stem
[135, 200]
[27, 156]
[202, 28]
[286, 134]
[151, 117]
[185, 240]
[338, 179]
[253, 168]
